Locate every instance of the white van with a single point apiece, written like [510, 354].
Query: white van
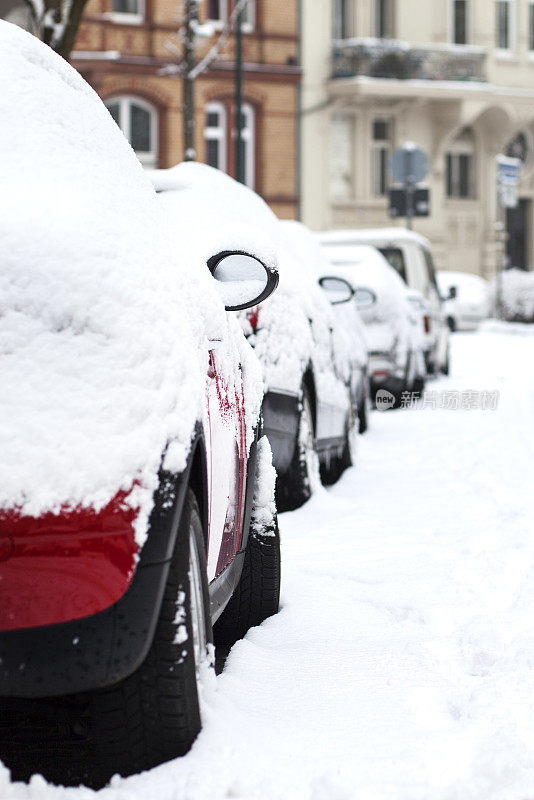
[409, 254]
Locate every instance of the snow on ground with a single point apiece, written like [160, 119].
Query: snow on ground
[401, 666]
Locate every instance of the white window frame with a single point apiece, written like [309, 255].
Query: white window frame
[468, 25]
[250, 24]
[336, 22]
[220, 133]
[506, 52]
[129, 18]
[377, 20]
[224, 13]
[377, 146]
[248, 135]
[149, 158]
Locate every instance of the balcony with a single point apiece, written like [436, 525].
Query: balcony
[388, 58]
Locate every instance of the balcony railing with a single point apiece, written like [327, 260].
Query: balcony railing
[387, 58]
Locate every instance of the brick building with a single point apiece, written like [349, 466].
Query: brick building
[125, 47]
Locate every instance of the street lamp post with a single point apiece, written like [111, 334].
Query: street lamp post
[191, 19]
[239, 160]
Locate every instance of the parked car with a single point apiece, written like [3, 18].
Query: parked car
[132, 470]
[349, 331]
[410, 255]
[307, 410]
[393, 325]
[465, 299]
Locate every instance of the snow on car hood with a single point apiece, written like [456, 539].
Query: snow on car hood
[102, 329]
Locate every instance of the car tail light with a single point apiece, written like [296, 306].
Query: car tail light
[427, 323]
[253, 318]
[381, 373]
[60, 567]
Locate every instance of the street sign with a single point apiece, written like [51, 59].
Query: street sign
[409, 164]
[398, 203]
[508, 175]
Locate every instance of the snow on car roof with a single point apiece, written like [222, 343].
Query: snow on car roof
[375, 236]
[362, 265]
[102, 343]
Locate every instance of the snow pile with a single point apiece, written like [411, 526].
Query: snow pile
[103, 321]
[516, 295]
[263, 507]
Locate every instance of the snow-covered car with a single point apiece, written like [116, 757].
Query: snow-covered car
[308, 415]
[465, 299]
[136, 499]
[392, 324]
[349, 331]
[410, 255]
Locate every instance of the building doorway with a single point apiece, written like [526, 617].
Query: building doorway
[518, 228]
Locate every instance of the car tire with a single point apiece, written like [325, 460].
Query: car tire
[154, 715]
[257, 595]
[364, 407]
[297, 484]
[445, 369]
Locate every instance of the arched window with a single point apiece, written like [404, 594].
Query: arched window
[138, 120]
[220, 136]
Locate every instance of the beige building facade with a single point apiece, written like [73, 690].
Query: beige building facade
[455, 77]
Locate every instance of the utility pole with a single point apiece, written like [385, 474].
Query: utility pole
[239, 161]
[191, 21]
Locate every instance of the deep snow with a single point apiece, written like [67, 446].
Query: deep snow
[401, 664]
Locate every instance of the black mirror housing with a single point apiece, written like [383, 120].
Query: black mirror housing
[243, 279]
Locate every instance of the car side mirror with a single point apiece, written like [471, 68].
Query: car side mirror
[338, 290]
[453, 293]
[364, 298]
[242, 280]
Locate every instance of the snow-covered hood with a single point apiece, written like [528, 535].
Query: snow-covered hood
[102, 329]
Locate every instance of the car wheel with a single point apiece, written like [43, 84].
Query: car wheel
[364, 407]
[257, 595]
[154, 715]
[447, 365]
[302, 477]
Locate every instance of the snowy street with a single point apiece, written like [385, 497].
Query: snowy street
[401, 665]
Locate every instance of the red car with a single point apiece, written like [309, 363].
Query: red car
[136, 499]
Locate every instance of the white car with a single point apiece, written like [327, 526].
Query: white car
[393, 324]
[307, 408]
[349, 333]
[410, 255]
[465, 299]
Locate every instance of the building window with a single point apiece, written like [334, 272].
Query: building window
[460, 167]
[384, 19]
[341, 157]
[219, 11]
[219, 134]
[504, 25]
[138, 121]
[129, 10]
[215, 136]
[460, 21]
[380, 155]
[248, 144]
[341, 20]
[17, 12]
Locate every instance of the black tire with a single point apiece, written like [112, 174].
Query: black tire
[295, 486]
[257, 595]
[363, 408]
[446, 368]
[153, 715]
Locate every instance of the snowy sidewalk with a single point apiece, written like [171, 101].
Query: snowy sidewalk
[401, 665]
